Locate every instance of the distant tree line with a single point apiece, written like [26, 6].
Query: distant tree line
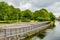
[9, 13]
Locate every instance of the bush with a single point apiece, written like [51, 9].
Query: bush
[43, 19]
[25, 20]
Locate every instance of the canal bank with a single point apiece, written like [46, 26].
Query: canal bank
[49, 34]
[37, 32]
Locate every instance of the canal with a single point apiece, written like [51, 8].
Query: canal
[49, 34]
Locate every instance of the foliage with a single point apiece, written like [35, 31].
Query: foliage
[41, 15]
[52, 17]
[9, 14]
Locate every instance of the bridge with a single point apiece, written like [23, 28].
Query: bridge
[10, 31]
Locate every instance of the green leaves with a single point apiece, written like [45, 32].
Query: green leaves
[41, 15]
[10, 13]
[52, 17]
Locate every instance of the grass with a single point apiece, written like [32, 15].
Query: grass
[33, 21]
[9, 21]
[14, 21]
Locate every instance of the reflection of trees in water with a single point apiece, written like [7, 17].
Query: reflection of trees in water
[59, 22]
[51, 26]
[43, 34]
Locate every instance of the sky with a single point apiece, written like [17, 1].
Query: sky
[50, 5]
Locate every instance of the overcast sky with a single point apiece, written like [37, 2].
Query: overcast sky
[50, 5]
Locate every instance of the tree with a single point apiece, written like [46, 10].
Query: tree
[41, 15]
[27, 14]
[10, 13]
[3, 10]
[52, 17]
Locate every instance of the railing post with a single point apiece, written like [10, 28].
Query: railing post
[9, 38]
[10, 31]
[16, 37]
[5, 35]
[23, 30]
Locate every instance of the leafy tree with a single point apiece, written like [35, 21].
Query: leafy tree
[52, 17]
[41, 15]
[27, 14]
[9, 13]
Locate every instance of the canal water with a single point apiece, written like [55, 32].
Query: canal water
[49, 34]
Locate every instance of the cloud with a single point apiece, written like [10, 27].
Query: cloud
[55, 8]
[51, 5]
[25, 6]
[35, 3]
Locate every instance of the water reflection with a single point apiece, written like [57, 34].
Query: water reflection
[54, 34]
[35, 38]
[49, 34]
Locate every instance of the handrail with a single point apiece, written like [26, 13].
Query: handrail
[7, 33]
